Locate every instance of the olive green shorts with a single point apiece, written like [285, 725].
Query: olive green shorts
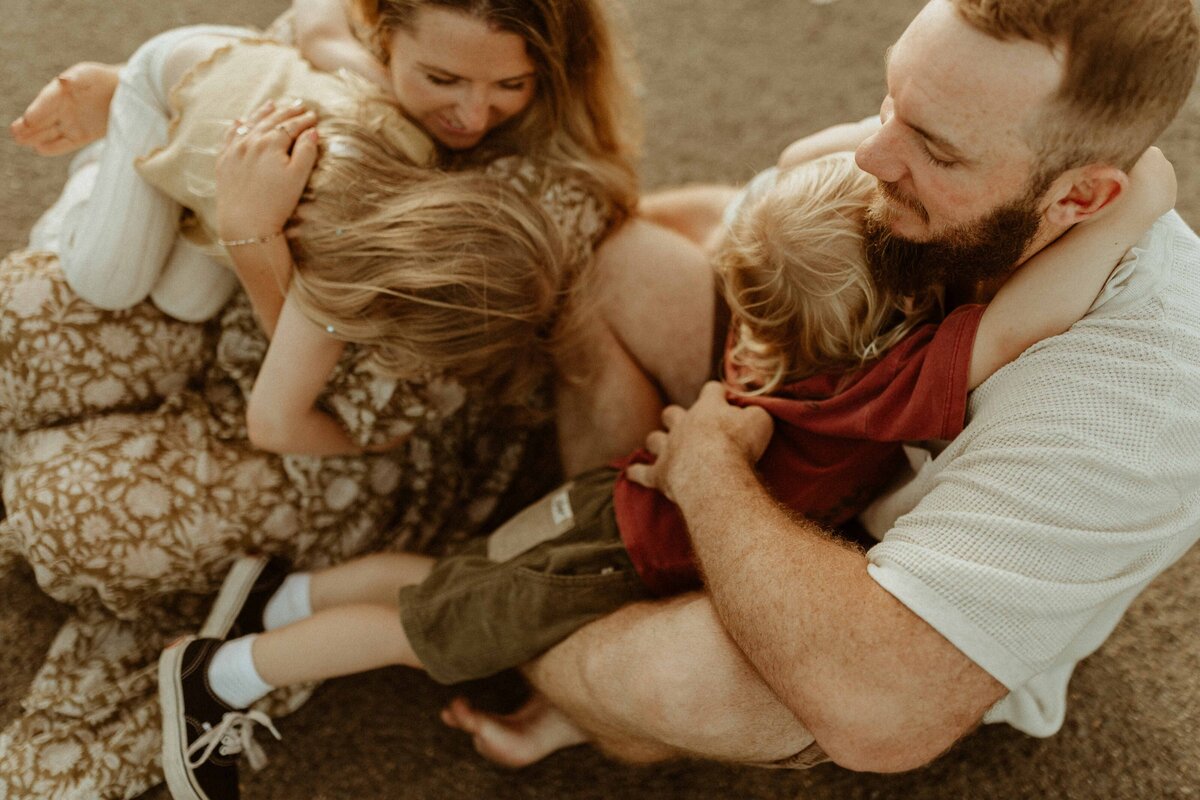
[502, 600]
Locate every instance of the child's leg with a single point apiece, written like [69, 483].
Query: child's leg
[374, 579]
[259, 594]
[695, 211]
[114, 244]
[324, 624]
[337, 641]
[205, 685]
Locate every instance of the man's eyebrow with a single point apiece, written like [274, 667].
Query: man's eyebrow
[939, 142]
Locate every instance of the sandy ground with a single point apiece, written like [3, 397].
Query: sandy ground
[727, 83]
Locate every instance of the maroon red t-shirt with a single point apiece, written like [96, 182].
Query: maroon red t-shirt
[837, 443]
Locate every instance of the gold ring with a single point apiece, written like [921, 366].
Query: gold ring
[241, 130]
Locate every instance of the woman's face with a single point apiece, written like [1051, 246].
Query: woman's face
[458, 77]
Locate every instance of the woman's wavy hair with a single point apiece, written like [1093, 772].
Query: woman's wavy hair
[583, 116]
[455, 273]
[799, 288]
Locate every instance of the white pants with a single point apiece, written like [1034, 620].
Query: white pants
[116, 235]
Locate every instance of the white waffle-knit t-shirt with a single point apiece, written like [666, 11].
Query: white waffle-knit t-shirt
[1075, 482]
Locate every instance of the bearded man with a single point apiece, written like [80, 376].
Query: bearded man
[1012, 551]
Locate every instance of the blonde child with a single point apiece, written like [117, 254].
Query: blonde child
[812, 339]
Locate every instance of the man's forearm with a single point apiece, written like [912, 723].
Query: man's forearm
[878, 687]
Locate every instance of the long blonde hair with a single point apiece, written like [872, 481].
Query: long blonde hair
[437, 272]
[799, 288]
[583, 116]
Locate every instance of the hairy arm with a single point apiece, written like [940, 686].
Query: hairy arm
[1055, 288]
[325, 38]
[878, 687]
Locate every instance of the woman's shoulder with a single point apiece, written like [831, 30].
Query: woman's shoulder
[582, 213]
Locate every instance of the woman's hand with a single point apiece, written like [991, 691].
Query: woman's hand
[262, 170]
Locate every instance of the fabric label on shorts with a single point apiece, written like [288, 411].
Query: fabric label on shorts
[547, 519]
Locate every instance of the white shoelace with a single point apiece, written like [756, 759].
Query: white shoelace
[234, 734]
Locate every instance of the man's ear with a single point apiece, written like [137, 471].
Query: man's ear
[1082, 192]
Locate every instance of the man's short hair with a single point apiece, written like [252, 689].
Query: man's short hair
[1129, 66]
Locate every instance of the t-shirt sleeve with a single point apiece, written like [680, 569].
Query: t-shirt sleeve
[1072, 487]
[921, 384]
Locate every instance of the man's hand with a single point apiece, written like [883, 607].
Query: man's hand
[701, 439]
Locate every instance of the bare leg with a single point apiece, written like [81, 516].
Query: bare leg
[607, 412]
[657, 680]
[335, 642]
[355, 625]
[374, 579]
[648, 342]
[651, 682]
[694, 212]
[658, 299]
[70, 111]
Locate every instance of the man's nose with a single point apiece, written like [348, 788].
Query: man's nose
[880, 155]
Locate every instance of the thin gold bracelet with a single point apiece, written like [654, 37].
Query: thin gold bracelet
[251, 240]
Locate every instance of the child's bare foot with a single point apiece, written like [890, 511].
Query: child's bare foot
[69, 112]
[529, 734]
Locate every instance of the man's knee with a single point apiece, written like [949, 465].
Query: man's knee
[694, 691]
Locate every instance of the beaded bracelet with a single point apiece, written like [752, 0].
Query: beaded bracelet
[251, 240]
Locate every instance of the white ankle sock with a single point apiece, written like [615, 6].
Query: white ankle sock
[232, 674]
[290, 603]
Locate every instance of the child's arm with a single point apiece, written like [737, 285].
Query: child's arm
[834, 139]
[1056, 287]
[281, 414]
[697, 211]
[325, 38]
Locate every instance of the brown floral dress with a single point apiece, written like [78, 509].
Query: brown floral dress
[129, 486]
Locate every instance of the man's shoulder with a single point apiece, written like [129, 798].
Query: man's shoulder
[1122, 378]
[1163, 263]
[1150, 305]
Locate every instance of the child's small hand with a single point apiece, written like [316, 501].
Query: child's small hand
[1150, 194]
[263, 169]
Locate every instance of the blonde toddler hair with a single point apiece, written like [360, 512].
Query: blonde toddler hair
[798, 285]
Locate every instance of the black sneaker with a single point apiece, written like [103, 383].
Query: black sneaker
[202, 737]
[238, 609]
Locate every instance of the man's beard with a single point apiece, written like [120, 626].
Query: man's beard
[960, 259]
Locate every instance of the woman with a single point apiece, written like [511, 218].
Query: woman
[131, 516]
